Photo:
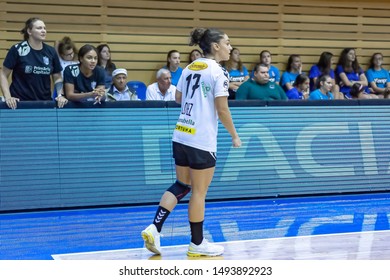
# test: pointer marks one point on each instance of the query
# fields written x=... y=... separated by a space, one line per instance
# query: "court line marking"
x=58 y=256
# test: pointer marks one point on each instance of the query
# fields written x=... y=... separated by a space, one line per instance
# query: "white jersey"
x=200 y=83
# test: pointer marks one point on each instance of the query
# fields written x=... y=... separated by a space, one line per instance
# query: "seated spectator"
x=194 y=55
x=324 y=67
x=300 y=89
x=173 y=65
x=67 y=52
x=357 y=91
x=293 y=69
x=378 y=78
x=260 y=87
x=162 y=89
x=104 y=61
x=85 y=81
x=323 y=91
x=119 y=91
x=274 y=73
x=348 y=72
x=33 y=65
x=238 y=73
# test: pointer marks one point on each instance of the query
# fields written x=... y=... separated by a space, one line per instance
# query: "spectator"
x=274 y=73
x=104 y=61
x=357 y=91
x=348 y=72
x=324 y=67
x=67 y=52
x=293 y=69
x=32 y=64
x=85 y=81
x=300 y=89
x=260 y=87
x=163 y=88
x=194 y=55
x=238 y=73
x=378 y=77
x=119 y=91
x=323 y=91
x=173 y=65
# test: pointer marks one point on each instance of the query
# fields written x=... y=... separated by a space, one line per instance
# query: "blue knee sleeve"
x=179 y=190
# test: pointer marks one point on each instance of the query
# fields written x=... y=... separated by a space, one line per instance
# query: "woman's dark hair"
x=193 y=51
x=204 y=37
x=343 y=60
x=169 y=56
x=85 y=49
x=290 y=61
x=322 y=79
x=66 y=44
x=110 y=65
x=356 y=88
x=372 y=59
x=324 y=64
x=263 y=52
x=300 y=79
x=28 y=25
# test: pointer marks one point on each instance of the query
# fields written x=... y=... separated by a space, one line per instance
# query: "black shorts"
x=192 y=157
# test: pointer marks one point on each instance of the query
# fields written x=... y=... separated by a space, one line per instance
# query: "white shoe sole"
x=149 y=242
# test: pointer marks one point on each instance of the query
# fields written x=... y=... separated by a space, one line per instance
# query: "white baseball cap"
x=119 y=71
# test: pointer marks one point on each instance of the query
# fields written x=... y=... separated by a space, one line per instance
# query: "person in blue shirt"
x=85 y=81
x=348 y=72
x=238 y=73
x=293 y=69
x=173 y=65
x=378 y=78
x=300 y=89
x=323 y=92
x=33 y=64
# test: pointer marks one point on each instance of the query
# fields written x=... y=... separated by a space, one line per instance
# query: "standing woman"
x=202 y=92
x=67 y=52
x=104 y=61
x=32 y=63
x=85 y=81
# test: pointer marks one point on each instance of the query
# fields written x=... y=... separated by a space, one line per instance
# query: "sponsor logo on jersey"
x=185 y=129
x=28 y=69
x=197 y=66
x=23 y=49
x=46 y=60
x=226 y=85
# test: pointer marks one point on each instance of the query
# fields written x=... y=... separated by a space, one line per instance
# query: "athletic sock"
x=196 y=232
x=160 y=217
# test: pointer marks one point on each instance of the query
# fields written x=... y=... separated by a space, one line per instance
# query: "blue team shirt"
x=352 y=76
x=288 y=77
x=315 y=73
x=31 y=71
x=175 y=75
x=294 y=94
x=73 y=75
x=318 y=95
x=236 y=75
x=380 y=78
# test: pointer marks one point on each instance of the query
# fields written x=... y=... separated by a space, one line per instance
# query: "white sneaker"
x=204 y=249
x=152 y=239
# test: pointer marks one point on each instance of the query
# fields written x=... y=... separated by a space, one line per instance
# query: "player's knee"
x=179 y=190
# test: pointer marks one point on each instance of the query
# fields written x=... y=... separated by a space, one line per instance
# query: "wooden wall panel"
x=141 y=32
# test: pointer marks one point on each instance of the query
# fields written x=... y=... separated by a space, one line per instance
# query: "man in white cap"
x=119 y=91
x=162 y=89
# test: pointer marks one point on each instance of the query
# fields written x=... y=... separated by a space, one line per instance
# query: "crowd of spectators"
x=89 y=74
